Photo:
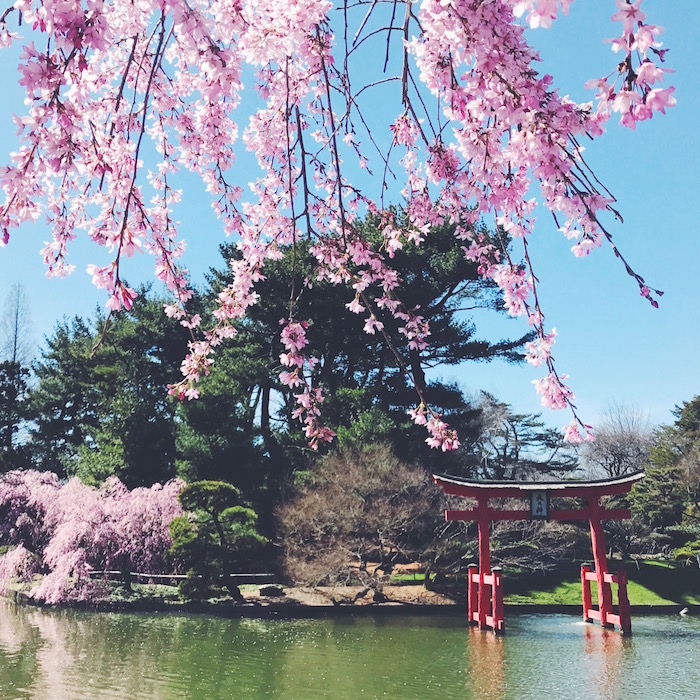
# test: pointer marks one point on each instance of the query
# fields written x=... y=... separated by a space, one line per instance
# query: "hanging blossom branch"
x=477 y=136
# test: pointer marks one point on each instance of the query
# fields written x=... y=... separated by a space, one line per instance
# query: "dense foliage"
x=366 y=384
x=14 y=394
x=100 y=404
x=92 y=414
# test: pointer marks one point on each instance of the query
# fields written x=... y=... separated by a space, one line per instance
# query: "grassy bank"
x=650 y=583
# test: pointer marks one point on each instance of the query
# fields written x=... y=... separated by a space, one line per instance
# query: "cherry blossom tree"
x=66 y=531
x=346 y=106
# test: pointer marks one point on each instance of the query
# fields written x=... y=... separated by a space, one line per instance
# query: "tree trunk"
x=277 y=456
x=126 y=573
x=417 y=370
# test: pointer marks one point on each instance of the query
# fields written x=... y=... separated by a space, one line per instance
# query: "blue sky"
x=614 y=346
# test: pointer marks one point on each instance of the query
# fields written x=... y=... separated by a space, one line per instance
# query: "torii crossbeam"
x=485 y=592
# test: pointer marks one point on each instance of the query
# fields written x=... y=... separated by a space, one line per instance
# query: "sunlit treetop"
x=349 y=108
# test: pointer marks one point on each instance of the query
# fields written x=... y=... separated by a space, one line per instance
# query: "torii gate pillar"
x=484 y=587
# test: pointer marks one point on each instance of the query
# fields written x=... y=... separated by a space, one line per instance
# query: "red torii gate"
x=485 y=591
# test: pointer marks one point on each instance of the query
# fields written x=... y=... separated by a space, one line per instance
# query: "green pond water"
x=65 y=655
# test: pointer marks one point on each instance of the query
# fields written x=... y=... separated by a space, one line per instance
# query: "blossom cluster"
x=66 y=531
x=635 y=91
x=122 y=96
x=440 y=433
x=309 y=398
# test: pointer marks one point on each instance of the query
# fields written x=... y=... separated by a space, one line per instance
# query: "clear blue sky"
x=614 y=346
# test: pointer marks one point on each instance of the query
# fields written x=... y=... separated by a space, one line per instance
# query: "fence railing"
x=138 y=576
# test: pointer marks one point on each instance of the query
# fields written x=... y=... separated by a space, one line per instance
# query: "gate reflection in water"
x=70 y=655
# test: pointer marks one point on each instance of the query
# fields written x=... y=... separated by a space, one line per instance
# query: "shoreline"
x=296 y=604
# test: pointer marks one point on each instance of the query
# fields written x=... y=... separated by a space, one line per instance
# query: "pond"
x=69 y=655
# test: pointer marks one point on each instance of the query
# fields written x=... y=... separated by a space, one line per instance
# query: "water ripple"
x=69 y=655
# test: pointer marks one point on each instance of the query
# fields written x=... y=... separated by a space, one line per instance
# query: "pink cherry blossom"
x=629 y=13
x=554 y=393
x=122 y=97
x=418 y=415
x=539 y=351
x=372 y=325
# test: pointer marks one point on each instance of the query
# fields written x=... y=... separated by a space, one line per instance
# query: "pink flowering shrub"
x=23 y=497
x=65 y=531
x=17 y=563
x=348 y=108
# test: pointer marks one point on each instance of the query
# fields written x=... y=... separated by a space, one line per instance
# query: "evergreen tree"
x=14 y=390
x=101 y=405
x=369 y=386
x=671 y=489
x=16 y=349
x=217 y=538
x=516 y=446
x=65 y=403
x=219 y=436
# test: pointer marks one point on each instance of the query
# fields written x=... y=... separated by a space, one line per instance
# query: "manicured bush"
x=217 y=536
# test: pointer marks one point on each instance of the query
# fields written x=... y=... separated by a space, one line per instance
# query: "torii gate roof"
x=470 y=488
